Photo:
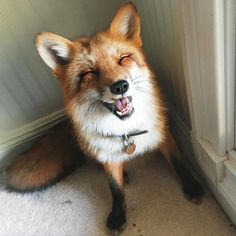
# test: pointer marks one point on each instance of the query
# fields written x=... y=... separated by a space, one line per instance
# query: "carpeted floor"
x=79 y=205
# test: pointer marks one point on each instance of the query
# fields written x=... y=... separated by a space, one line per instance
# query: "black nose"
x=119 y=87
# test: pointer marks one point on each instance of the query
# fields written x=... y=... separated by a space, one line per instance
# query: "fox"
x=115 y=106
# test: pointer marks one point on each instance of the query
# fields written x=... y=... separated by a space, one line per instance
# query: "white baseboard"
x=22 y=138
x=218 y=172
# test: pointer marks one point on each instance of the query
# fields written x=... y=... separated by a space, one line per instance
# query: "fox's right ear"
x=53 y=49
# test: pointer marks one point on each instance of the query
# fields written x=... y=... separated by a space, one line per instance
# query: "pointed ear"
x=53 y=49
x=127 y=23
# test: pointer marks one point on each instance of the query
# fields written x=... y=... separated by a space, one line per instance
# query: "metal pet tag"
x=130 y=149
x=129 y=145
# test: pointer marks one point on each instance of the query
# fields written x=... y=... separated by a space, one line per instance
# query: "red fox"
x=114 y=103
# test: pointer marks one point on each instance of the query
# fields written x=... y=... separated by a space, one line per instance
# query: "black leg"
x=126 y=177
x=193 y=190
x=117 y=216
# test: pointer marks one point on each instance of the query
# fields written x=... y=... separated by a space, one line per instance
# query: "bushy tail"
x=50 y=159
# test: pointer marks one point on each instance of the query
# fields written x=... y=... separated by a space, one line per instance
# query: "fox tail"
x=50 y=159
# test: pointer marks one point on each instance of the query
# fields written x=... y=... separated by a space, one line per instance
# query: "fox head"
x=106 y=72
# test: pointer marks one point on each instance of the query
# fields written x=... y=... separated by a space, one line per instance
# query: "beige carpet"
x=78 y=206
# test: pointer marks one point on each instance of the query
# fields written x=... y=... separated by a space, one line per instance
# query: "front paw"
x=116 y=220
x=193 y=191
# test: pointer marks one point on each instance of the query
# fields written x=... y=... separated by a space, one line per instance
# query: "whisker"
x=137 y=77
x=139 y=87
x=141 y=81
x=93 y=105
x=91 y=96
x=143 y=90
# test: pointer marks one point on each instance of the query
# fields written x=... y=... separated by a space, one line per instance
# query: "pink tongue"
x=121 y=104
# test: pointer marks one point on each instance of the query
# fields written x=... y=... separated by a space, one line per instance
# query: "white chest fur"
x=97 y=125
x=113 y=149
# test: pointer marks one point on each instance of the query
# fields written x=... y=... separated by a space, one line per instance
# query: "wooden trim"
x=230 y=55
x=218 y=172
x=20 y=139
x=205 y=69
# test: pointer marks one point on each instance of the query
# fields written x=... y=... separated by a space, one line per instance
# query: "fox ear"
x=127 y=23
x=53 y=49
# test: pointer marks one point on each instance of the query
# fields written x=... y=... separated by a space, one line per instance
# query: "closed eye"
x=87 y=74
x=124 y=59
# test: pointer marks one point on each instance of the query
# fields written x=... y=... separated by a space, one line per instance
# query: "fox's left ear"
x=127 y=23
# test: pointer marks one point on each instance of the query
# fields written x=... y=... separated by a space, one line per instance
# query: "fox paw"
x=193 y=192
x=116 y=220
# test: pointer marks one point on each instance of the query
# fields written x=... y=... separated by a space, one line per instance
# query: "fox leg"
x=126 y=177
x=192 y=189
x=117 y=217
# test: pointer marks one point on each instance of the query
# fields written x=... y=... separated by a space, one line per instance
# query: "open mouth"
x=122 y=108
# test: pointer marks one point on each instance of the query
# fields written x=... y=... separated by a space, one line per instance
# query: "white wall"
x=162 y=34
x=27 y=89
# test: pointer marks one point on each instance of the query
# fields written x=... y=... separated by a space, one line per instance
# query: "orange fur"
x=117 y=172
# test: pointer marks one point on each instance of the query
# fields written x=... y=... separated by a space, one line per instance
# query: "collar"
x=129 y=145
x=128 y=135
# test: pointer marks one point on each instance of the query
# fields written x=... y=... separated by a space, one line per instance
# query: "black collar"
x=127 y=136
